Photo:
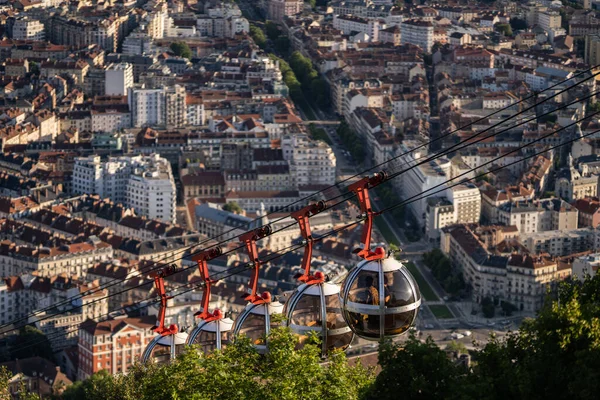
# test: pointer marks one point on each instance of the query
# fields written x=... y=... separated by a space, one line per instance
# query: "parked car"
x=467 y=333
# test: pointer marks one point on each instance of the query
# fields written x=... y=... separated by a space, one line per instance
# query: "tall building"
x=467 y=203
x=113 y=345
x=158 y=107
x=417 y=32
x=118 y=79
x=143 y=182
x=278 y=9
x=311 y=162
x=26 y=28
x=592 y=49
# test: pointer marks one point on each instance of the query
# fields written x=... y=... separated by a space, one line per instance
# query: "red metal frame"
x=361 y=189
x=202 y=260
x=302 y=217
x=249 y=240
x=159 y=283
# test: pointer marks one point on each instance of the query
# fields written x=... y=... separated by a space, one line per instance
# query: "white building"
x=549 y=20
x=143 y=182
x=467 y=203
x=26 y=28
x=350 y=23
x=118 y=79
x=417 y=32
x=311 y=162
x=415 y=181
x=586 y=265
x=158 y=107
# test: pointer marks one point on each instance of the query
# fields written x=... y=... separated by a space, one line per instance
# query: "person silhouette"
x=372 y=292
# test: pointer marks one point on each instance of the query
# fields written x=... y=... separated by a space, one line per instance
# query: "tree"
x=258 y=36
x=233 y=207
x=518 y=24
x=272 y=30
x=504 y=29
x=414 y=370
x=282 y=44
x=31 y=342
x=181 y=49
x=457 y=347
x=238 y=372
x=487 y=307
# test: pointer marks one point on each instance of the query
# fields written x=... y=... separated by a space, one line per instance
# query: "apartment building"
x=311 y=163
x=144 y=183
x=279 y=9
x=350 y=23
x=561 y=243
x=70 y=259
x=113 y=345
x=417 y=32
x=519 y=279
x=118 y=79
x=572 y=185
x=586 y=265
x=589 y=212
x=26 y=28
x=158 y=107
x=539 y=215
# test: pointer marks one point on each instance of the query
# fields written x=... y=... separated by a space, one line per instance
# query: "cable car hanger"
x=202 y=260
x=159 y=283
x=361 y=189
x=249 y=239
x=302 y=217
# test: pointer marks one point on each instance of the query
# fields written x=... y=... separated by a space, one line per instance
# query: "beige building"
x=278 y=9
x=539 y=215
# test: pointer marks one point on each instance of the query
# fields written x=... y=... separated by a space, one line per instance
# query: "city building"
x=417 y=32
x=278 y=9
x=113 y=345
x=586 y=265
x=158 y=107
x=26 y=28
x=118 y=79
x=143 y=182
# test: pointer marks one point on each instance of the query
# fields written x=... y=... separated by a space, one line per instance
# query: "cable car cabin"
x=256 y=322
x=212 y=334
x=316 y=308
x=163 y=349
x=380 y=299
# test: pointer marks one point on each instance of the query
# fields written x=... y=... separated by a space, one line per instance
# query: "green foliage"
x=258 y=36
x=318 y=134
x=351 y=141
x=488 y=308
x=593 y=107
x=504 y=29
x=313 y=85
x=31 y=342
x=313 y=3
x=237 y=372
x=5 y=376
x=414 y=370
x=233 y=207
x=507 y=308
x=181 y=49
x=272 y=30
x=441 y=267
x=458 y=347
x=282 y=44
x=518 y=24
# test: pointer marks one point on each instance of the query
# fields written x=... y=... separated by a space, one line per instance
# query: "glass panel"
x=365 y=288
x=397 y=290
x=341 y=341
x=364 y=324
x=207 y=341
x=334 y=312
x=254 y=328
x=161 y=354
x=396 y=324
x=307 y=311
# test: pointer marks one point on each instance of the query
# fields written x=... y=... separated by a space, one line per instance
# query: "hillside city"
x=134 y=132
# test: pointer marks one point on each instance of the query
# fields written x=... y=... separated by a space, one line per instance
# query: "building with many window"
x=417 y=32
x=144 y=183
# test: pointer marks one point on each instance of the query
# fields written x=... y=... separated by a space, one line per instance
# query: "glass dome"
x=380 y=299
x=309 y=306
x=255 y=322
x=211 y=335
x=163 y=349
